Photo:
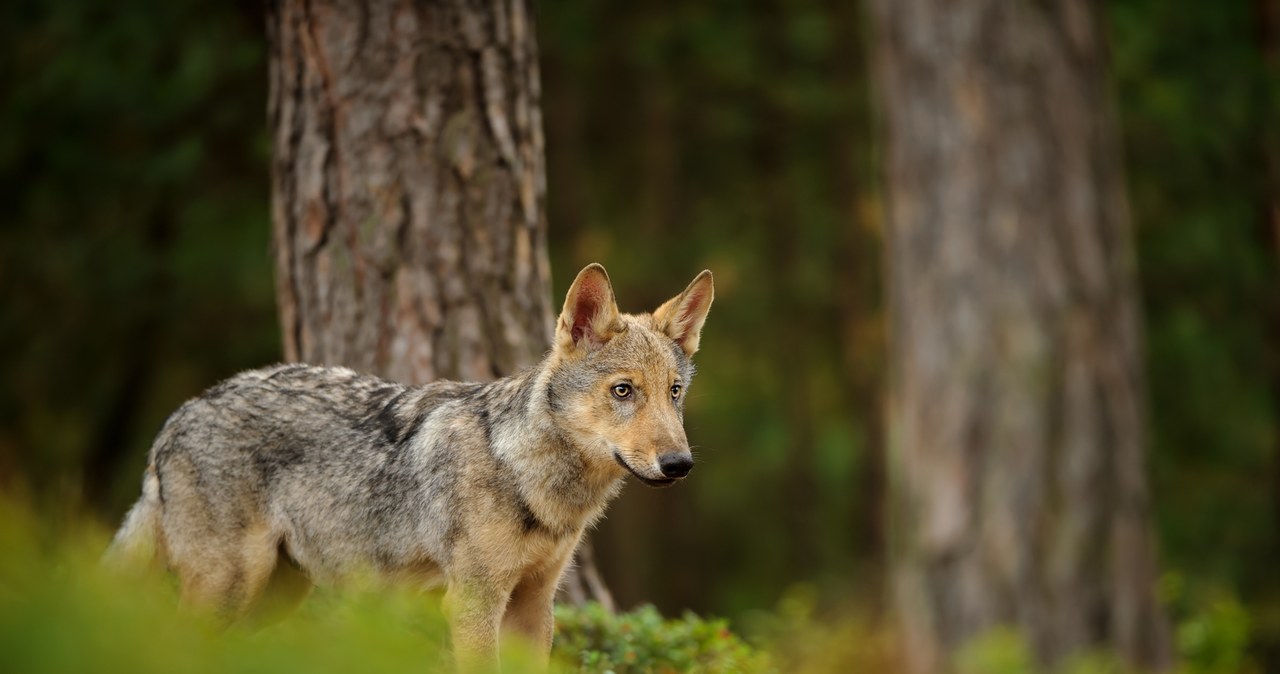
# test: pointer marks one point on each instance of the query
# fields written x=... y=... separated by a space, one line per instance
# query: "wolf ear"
x=590 y=315
x=682 y=316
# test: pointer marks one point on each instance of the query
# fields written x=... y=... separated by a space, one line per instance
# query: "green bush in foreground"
x=60 y=611
x=643 y=642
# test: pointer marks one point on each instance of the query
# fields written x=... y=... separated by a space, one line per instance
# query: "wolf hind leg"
x=285 y=589
x=225 y=574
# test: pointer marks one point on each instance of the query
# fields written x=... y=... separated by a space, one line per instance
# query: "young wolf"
x=484 y=487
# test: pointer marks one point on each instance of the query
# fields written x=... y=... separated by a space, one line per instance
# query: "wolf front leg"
x=530 y=614
x=474 y=606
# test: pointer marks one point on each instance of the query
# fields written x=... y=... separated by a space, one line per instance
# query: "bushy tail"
x=135 y=543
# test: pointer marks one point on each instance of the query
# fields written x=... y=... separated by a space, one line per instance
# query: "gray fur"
x=350 y=470
x=487 y=487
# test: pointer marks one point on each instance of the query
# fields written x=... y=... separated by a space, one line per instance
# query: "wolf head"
x=619 y=381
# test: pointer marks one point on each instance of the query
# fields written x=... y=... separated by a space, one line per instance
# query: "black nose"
x=675 y=464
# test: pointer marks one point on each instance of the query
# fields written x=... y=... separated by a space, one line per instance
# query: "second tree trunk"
x=1017 y=403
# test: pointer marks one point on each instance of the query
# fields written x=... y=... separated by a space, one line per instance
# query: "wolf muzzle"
x=675 y=465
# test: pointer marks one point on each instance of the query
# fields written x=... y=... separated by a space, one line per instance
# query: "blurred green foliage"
x=62 y=611
x=134 y=252
x=1216 y=640
x=736 y=137
x=642 y=641
x=1194 y=104
x=1190 y=86
x=134 y=261
x=804 y=640
x=1210 y=642
x=999 y=651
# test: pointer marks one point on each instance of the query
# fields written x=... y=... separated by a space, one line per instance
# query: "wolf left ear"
x=590 y=315
x=682 y=316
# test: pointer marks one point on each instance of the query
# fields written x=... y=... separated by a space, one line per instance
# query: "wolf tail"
x=135 y=542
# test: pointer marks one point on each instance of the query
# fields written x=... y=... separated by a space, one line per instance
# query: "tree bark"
x=409 y=187
x=1016 y=406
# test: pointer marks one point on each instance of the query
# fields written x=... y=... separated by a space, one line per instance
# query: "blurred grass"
x=61 y=611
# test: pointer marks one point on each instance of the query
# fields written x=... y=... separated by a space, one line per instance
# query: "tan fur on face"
x=649 y=422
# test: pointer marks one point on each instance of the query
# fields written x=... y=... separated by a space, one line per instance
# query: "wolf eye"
x=622 y=391
x=675 y=391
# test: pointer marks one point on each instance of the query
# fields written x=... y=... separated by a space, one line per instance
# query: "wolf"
x=484 y=488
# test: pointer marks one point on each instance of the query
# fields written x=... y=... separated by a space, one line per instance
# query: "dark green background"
x=738 y=136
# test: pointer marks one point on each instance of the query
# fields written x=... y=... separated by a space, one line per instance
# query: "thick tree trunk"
x=408 y=187
x=1016 y=398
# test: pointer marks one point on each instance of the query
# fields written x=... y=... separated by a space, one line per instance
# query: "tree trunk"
x=1016 y=405
x=408 y=187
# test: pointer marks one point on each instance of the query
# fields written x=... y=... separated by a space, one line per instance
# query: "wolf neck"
x=562 y=487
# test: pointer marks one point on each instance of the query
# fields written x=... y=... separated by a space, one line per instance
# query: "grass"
x=61 y=611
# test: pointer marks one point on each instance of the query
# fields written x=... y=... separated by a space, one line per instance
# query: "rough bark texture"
x=1016 y=405
x=408 y=187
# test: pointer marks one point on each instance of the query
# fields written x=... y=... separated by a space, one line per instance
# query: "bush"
x=60 y=611
x=643 y=642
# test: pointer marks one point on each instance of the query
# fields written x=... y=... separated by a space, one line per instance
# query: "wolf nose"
x=675 y=464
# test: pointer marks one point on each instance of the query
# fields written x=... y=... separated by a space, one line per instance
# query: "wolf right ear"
x=682 y=316
x=590 y=315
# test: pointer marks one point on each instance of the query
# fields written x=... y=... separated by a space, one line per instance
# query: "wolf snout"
x=675 y=465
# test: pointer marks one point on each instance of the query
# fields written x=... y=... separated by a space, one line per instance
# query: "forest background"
x=742 y=137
